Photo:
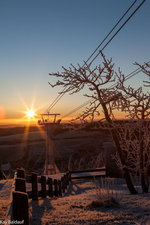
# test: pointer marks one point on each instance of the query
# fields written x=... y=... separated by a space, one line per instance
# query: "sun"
x=30 y=113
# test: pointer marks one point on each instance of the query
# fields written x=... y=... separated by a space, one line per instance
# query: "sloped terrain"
x=73 y=149
x=72 y=207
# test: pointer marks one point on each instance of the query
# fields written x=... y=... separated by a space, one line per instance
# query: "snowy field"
x=72 y=208
x=5 y=190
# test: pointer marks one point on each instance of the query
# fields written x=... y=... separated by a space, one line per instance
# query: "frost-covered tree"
x=136 y=135
x=146 y=70
x=97 y=79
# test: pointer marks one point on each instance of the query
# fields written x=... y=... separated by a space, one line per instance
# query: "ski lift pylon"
x=45 y=118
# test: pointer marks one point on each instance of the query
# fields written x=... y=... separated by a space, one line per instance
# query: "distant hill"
x=16 y=130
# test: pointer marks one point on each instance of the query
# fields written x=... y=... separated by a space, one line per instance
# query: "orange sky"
x=33 y=121
x=35 y=43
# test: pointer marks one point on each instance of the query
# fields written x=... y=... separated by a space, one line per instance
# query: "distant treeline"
x=95 y=125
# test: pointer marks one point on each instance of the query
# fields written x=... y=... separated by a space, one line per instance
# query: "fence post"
x=65 y=181
x=20 y=211
x=20 y=185
x=43 y=186
x=50 y=187
x=63 y=185
x=55 y=188
x=20 y=173
x=67 y=178
x=69 y=174
x=59 y=188
x=34 y=186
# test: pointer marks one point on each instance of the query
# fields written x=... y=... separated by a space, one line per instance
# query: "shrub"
x=105 y=194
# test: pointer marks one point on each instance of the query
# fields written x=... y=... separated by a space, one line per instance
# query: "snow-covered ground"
x=5 y=191
x=71 y=208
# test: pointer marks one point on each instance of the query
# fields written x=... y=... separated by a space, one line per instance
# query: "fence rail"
x=40 y=186
x=89 y=173
x=19 y=209
x=49 y=186
x=89 y=170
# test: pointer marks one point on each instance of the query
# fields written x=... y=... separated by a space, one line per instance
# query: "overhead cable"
x=118 y=31
x=111 y=31
x=61 y=95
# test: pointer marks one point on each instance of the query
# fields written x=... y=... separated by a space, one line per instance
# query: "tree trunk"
x=144 y=183
x=129 y=183
x=127 y=175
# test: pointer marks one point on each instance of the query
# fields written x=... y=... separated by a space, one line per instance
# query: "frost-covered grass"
x=5 y=190
x=3 y=208
x=106 y=195
x=106 y=189
x=72 y=207
x=81 y=205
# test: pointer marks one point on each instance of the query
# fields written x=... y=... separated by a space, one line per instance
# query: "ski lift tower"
x=50 y=166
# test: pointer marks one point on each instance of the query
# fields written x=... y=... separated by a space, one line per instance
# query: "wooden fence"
x=49 y=187
x=19 y=209
x=33 y=187
x=88 y=173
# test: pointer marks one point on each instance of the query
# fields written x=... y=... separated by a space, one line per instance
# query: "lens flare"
x=30 y=113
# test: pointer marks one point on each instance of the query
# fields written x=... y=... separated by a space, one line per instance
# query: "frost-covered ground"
x=5 y=190
x=71 y=209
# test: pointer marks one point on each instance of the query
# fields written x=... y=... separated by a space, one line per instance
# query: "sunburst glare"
x=30 y=113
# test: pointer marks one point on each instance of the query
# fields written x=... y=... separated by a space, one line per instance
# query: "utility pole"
x=50 y=166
